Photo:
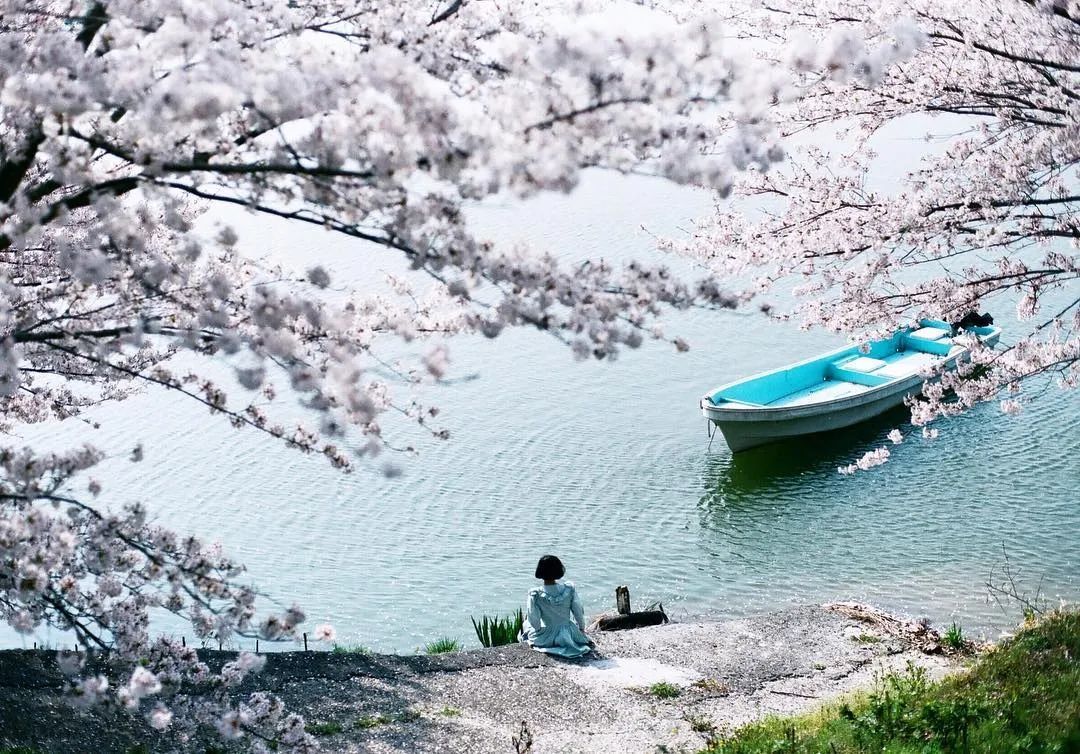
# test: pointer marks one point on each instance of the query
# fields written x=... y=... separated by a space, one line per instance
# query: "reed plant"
x=351 y=649
x=954 y=638
x=442 y=646
x=664 y=690
x=495 y=631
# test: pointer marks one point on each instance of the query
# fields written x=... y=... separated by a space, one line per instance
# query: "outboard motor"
x=972 y=319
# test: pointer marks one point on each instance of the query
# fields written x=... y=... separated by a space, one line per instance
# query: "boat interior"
x=847 y=372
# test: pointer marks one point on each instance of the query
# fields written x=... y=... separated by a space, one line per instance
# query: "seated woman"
x=554 y=621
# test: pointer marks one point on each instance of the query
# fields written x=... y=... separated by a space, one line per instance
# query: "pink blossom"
x=231 y=725
x=869 y=460
x=159 y=718
x=1011 y=407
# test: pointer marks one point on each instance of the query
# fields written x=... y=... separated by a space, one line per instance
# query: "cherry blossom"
x=987 y=217
x=125 y=121
x=869 y=460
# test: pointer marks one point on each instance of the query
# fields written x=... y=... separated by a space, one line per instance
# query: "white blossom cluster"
x=992 y=215
x=121 y=121
x=100 y=575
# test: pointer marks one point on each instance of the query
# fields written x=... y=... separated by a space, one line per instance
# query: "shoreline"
x=719 y=675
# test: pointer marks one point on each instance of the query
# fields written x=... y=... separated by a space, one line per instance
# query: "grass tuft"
x=664 y=690
x=701 y=724
x=450 y=712
x=711 y=686
x=323 y=729
x=495 y=631
x=866 y=639
x=1023 y=696
x=351 y=649
x=954 y=638
x=372 y=721
x=442 y=646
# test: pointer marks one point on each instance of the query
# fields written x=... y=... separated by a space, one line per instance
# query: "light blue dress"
x=555 y=622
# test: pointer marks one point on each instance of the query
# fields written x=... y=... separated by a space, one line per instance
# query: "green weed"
x=495 y=631
x=372 y=721
x=700 y=724
x=954 y=638
x=323 y=729
x=442 y=646
x=664 y=690
x=711 y=686
x=351 y=649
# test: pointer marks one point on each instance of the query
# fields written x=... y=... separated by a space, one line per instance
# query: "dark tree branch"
x=14 y=170
x=449 y=11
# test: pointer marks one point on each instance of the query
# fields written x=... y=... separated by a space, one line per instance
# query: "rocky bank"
x=726 y=673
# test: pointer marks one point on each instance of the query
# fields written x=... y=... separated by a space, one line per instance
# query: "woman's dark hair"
x=549 y=568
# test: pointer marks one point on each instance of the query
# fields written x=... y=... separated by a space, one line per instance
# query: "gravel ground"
x=727 y=673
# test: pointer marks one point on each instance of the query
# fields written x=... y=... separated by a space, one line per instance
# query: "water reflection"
x=732 y=478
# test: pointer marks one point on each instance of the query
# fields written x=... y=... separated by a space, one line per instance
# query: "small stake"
x=305 y=642
x=256 y=646
x=183 y=642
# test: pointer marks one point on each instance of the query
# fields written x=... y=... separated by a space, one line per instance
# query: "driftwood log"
x=916 y=633
x=632 y=620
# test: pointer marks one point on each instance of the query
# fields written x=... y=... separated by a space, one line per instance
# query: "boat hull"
x=742 y=433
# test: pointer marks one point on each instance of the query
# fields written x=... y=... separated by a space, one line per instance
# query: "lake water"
x=608 y=466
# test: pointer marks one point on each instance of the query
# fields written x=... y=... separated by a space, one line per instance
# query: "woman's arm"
x=532 y=616
x=577 y=610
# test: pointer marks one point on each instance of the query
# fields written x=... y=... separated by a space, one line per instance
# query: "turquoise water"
x=608 y=466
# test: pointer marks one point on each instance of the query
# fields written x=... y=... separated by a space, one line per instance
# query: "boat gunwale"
x=751 y=411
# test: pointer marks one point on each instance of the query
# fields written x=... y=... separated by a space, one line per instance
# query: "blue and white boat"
x=838 y=389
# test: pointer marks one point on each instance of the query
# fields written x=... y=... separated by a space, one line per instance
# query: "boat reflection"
x=786 y=465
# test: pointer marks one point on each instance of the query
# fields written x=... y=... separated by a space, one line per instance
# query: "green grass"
x=711 y=686
x=700 y=724
x=954 y=638
x=351 y=649
x=323 y=729
x=450 y=712
x=664 y=690
x=866 y=639
x=372 y=721
x=442 y=646
x=1020 y=698
x=495 y=631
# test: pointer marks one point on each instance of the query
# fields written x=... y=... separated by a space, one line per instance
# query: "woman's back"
x=555 y=621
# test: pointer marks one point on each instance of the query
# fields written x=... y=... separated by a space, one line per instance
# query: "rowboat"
x=837 y=389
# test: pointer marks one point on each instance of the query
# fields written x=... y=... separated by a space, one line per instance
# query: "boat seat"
x=863 y=364
x=928 y=333
x=826 y=390
x=906 y=364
